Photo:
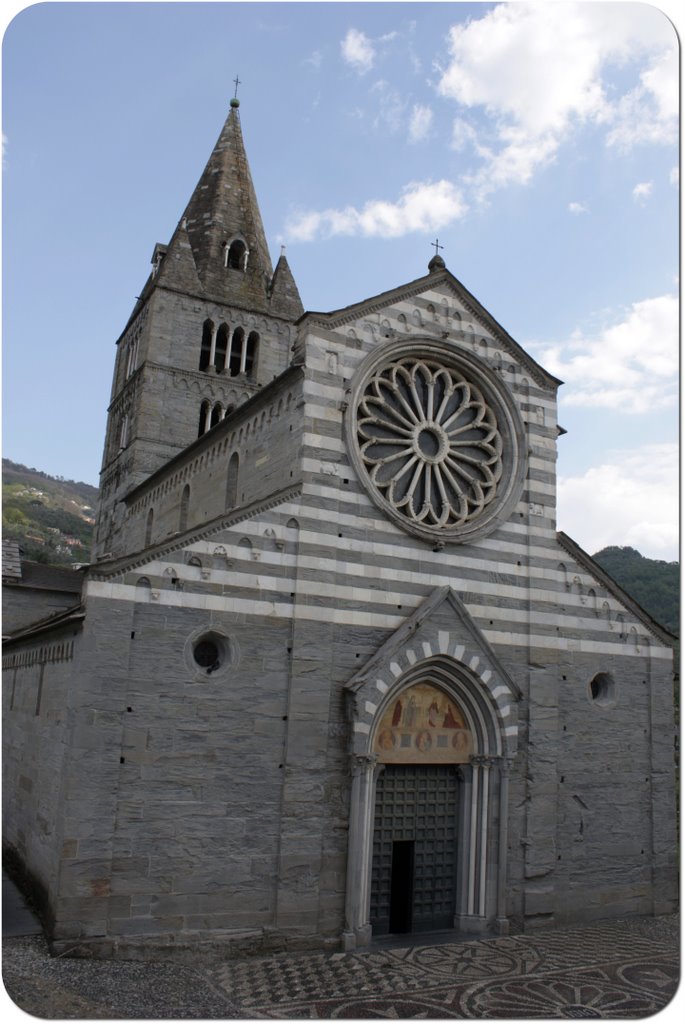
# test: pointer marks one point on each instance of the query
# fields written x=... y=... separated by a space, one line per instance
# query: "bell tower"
x=211 y=326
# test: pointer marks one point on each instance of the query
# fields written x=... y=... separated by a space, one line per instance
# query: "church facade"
x=334 y=673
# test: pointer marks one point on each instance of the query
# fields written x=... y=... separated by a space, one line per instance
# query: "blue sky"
x=537 y=141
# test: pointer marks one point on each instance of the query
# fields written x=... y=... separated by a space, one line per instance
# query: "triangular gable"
x=441 y=627
x=431 y=282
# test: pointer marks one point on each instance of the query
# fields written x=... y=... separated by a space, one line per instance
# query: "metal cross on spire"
x=236 y=82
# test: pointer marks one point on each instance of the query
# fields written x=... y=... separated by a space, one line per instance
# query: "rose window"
x=429 y=442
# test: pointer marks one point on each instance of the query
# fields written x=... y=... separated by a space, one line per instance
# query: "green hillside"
x=652 y=583
x=52 y=519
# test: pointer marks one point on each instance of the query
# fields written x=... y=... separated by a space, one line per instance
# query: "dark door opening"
x=402 y=886
x=414 y=867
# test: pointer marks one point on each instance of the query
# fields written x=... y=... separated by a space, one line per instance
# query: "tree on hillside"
x=653 y=583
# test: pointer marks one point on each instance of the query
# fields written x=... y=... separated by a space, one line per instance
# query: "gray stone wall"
x=36 y=736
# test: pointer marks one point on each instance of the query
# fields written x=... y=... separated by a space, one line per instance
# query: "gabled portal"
x=434 y=716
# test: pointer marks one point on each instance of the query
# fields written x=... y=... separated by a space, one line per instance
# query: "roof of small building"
x=20 y=572
x=11 y=561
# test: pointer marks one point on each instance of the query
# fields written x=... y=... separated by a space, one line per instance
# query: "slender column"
x=484 y=821
x=464 y=860
x=243 y=353
x=478 y=845
x=212 y=347
x=473 y=840
x=359 y=851
x=208 y=416
x=502 y=919
x=477 y=897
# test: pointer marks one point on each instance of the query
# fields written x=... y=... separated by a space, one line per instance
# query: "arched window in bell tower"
x=221 y=347
x=206 y=349
x=251 y=353
x=235 y=255
x=235 y=358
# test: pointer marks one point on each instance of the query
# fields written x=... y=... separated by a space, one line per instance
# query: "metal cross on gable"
x=437 y=245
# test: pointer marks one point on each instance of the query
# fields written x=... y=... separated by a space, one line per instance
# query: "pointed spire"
x=223 y=210
x=285 y=298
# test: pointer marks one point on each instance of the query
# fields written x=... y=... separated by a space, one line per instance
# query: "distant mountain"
x=52 y=519
x=652 y=583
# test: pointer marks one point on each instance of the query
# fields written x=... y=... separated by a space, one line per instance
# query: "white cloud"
x=391 y=107
x=423 y=206
x=516 y=62
x=649 y=112
x=420 y=122
x=630 y=499
x=526 y=76
x=630 y=366
x=536 y=71
x=358 y=51
x=314 y=60
x=577 y=208
x=642 y=191
x=463 y=134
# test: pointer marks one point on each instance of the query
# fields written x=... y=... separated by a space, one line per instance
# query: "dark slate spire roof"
x=285 y=298
x=223 y=208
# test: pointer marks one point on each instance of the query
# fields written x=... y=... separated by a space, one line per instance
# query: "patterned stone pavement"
x=608 y=970
x=624 y=969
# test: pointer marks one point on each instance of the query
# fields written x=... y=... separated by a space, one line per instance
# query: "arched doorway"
x=428 y=822
x=424 y=737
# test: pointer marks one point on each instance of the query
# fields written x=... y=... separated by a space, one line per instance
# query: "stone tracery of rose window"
x=429 y=442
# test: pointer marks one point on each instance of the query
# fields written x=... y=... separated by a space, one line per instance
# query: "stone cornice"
x=152 y=286
x=116 y=567
x=60 y=620
x=202 y=376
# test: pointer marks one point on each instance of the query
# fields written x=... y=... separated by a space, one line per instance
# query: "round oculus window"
x=210 y=653
x=207 y=655
x=436 y=440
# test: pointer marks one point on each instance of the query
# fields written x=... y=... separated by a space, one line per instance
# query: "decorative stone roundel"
x=436 y=440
